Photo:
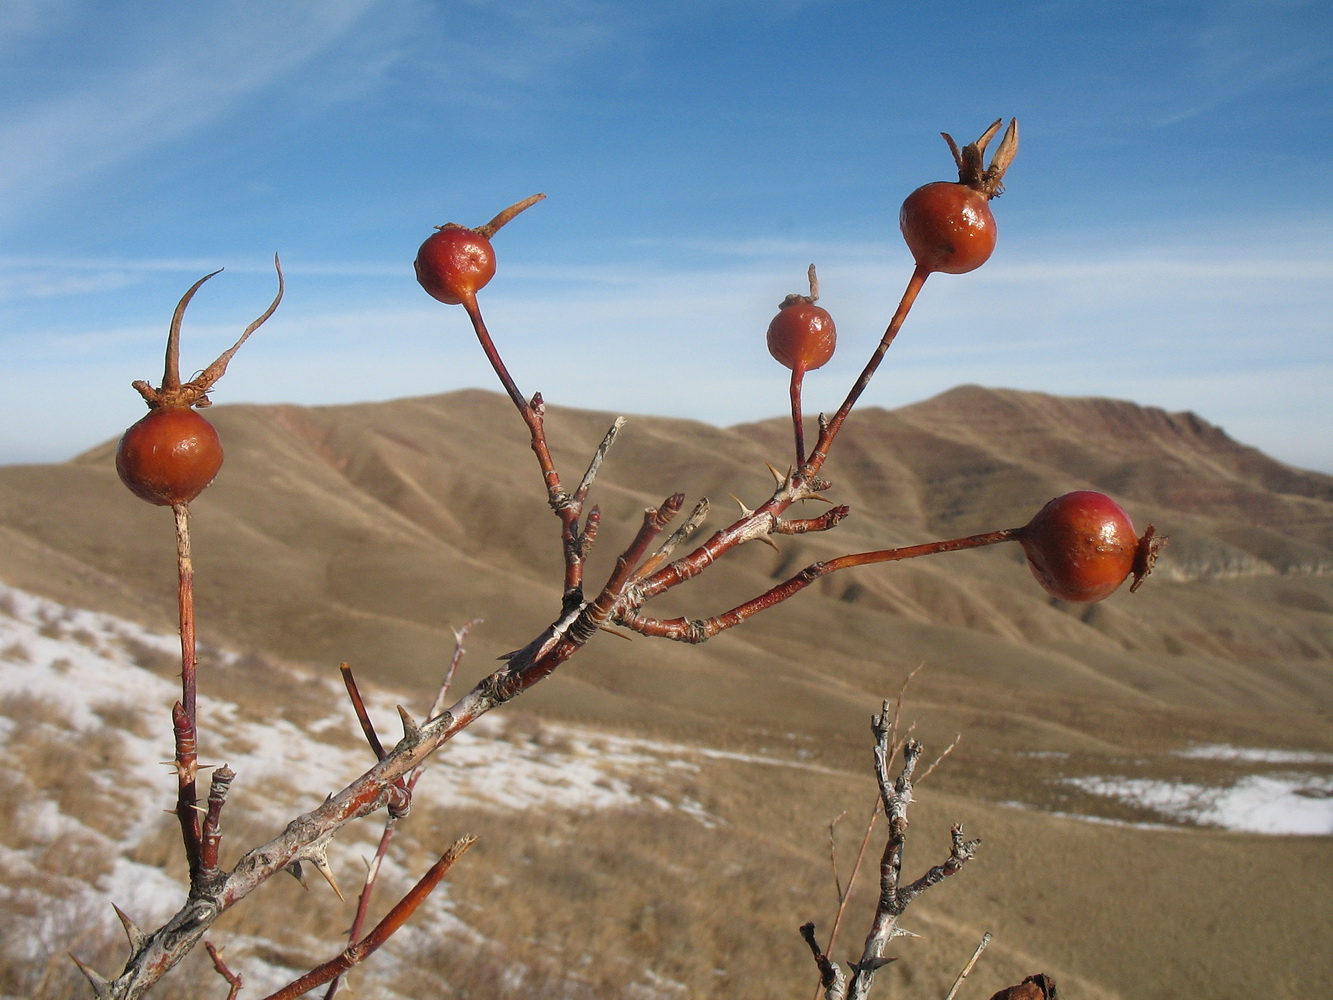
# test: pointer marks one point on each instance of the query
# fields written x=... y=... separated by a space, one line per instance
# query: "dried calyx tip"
x=970 y=159
x=1145 y=556
x=508 y=214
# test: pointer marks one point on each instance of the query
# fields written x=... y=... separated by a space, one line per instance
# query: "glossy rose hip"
x=948 y=227
x=802 y=335
x=1081 y=546
x=454 y=264
x=169 y=456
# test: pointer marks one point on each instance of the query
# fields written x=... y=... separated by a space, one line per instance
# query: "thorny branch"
x=359 y=951
x=636 y=578
x=407 y=788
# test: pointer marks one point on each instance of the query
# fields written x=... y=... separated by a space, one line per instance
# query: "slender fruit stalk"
x=802 y=337
x=187 y=732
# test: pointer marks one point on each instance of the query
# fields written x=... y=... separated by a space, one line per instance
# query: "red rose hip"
x=1081 y=547
x=169 y=456
x=455 y=262
x=948 y=225
x=802 y=336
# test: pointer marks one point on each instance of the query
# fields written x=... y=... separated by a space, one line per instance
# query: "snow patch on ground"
x=1290 y=804
x=72 y=675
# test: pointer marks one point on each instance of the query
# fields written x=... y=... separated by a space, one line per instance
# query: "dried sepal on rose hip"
x=948 y=225
x=456 y=262
x=173 y=453
x=802 y=337
x=1081 y=547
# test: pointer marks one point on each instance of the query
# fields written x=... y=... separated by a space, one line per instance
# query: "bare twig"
x=799 y=526
x=829 y=429
x=585 y=484
x=833 y=852
x=940 y=759
x=894 y=896
x=832 y=980
x=184 y=722
x=234 y=981
x=702 y=629
x=212 y=831
x=967 y=969
x=359 y=707
x=875 y=810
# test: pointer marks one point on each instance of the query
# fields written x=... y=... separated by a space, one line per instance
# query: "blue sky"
x=1165 y=236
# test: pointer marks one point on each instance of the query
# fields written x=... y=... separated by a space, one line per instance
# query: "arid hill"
x=367 y=533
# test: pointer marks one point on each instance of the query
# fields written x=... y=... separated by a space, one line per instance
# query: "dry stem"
x=184 y=722
x=894 y=897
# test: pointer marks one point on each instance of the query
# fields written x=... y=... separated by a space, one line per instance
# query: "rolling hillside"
x=367 y=533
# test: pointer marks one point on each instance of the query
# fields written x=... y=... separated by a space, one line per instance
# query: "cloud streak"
x=158 y=85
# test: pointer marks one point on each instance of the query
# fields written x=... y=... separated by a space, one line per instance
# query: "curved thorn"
x=321 y=863
x=411 y=731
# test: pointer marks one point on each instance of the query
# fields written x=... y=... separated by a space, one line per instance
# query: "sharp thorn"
x=297 y=872
x=136 y=937
x=321 y=864
x=778 y=477
x=101 y=985
x=745 y=511
x=616 y=632
x=411 y=731
x=770 y=543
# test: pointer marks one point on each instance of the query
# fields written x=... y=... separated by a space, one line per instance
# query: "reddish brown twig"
x=359 y=707
x=702 y=629
x=186 y=764
x=829 y=430
x=831 y=518
x=234 y=981
x=212 y=832
x=356 y=953
x=568 y=507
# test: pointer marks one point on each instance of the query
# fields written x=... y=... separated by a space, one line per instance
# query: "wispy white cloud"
x=164 y=71
x=1243 y=46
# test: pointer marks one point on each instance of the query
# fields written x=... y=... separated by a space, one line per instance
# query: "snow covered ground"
x=69 y=675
